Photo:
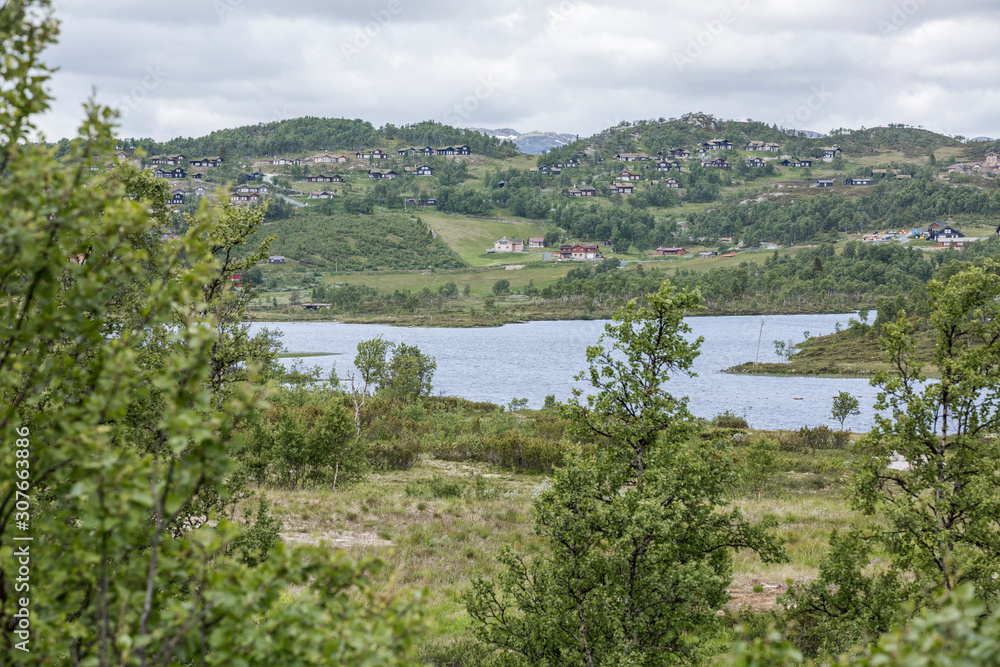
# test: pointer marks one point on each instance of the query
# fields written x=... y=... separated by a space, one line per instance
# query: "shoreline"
x=464 y=320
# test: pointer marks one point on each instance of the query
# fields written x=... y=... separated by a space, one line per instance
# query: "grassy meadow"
x=441 y=522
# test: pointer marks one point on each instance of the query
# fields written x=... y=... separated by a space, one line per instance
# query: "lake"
x=537 y=359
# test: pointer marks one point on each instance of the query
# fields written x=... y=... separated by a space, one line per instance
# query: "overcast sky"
x=187 y=67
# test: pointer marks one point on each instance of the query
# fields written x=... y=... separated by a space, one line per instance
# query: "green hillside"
x=376 y=242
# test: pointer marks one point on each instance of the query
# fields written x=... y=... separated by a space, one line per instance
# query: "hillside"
x=696 y=128
x=730 y=188
x=910 y=141
x=318 y=134
x=376 y=242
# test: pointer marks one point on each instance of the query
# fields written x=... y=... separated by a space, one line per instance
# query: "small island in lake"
x=853 y=352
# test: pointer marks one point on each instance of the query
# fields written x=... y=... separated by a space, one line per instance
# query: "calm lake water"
x=536 y=359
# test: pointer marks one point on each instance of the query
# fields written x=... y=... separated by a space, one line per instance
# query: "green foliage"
x=380 y=241
x=939 y=516
x=957 y=632
x=513 y=449
x=758 y=466
x=394 y=455
x=408 y=374
x=273 y=138
x=125 y=375
x=371 y=361
x=637 y=557
x=501 y=286
x=729 y=419
x=404 y=375
x=436 y=487
x=889 y=204
x=254 y=545
x=844 y=406
x=853 y=600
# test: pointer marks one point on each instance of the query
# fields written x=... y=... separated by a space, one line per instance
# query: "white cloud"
x=564 y=65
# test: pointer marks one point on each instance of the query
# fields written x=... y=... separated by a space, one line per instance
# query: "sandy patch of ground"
x=743 y=596
x=459 y=468
x=337 y=540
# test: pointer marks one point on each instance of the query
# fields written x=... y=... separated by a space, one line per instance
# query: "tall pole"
x=759 y=335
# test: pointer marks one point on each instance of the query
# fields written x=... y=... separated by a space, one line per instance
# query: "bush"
x=847 y=604
x=510 y=449
x=394 y=455
x=513 y=449
x=734 y=435
x=729 y=420
x=807 y=439
x=482 y=488
x=758 y=466
x=550 y=426
x=436 y=487
x=819 y=437
x=291 y=446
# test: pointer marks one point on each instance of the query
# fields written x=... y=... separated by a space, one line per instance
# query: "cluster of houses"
x=943 y=236
x=681 y=252
x=324 y=178
x=176 y=172
x=374 y=174
x=444 y=150
x=369 y=154
x=171 y=166
x=175 y=160
x=990 y=164
x=571 y=251
x=246 y=193
x=177 y=195
x=829 y=152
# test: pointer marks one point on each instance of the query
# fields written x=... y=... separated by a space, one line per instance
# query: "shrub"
x=807 y=439
x=436 y=487
x=729 y=420
x=550 y=425
x=394 y=455
x=482 y=488
x=513 y=449
x=289 y=446
x=819 y=437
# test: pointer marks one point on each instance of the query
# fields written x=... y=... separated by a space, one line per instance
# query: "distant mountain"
x=530 y=142
x=981 y=139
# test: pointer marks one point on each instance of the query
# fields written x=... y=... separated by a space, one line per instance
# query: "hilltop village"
x=379 y=224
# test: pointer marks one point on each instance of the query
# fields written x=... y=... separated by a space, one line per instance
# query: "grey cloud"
x=566 y=65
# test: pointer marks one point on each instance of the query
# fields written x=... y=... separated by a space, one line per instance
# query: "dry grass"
x=440 y=543
x=432 y=531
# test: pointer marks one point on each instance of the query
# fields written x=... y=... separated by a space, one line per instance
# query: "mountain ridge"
x=534 y=142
